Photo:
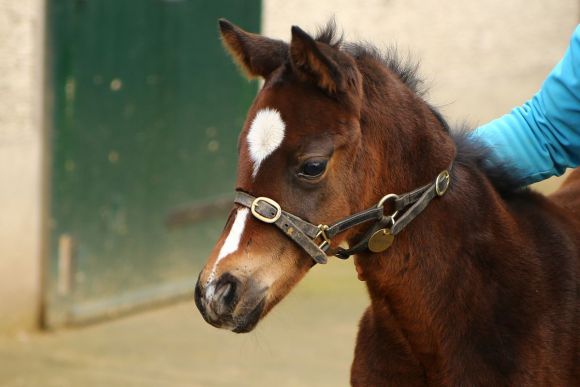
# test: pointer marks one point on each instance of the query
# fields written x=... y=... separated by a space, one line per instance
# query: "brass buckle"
x=442 y=183
x=270 y=202
x=322 y=233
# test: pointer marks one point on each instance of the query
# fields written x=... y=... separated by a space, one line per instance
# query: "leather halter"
x=316 y=240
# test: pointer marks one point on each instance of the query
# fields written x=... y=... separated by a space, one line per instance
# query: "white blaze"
x=232 y=242
x=265 y=136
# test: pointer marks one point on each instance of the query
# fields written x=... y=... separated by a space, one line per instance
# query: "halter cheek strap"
x=316 y=240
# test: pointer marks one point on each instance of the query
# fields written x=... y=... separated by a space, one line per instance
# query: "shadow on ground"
x=308 y=340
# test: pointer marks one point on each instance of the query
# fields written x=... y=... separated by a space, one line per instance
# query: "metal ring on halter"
x=392 y=219
x=387 y=197
x=382 y=203
x=442 y=183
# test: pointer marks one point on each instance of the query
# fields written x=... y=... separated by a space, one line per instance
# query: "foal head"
x=302 y=146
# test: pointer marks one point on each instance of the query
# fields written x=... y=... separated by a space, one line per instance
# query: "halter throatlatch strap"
x=316 y=240
x=394 y=224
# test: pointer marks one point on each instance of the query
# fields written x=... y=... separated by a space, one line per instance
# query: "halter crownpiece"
x=316 y=240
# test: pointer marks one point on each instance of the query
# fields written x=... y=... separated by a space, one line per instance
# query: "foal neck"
x=403 y=136
x=412 y=279
x=426 y=280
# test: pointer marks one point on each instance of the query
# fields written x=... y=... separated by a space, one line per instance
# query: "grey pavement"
x=308 y=340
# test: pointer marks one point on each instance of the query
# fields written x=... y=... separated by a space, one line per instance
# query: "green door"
x=144 y=111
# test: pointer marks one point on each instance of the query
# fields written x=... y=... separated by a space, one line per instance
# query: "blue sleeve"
x=541 y=138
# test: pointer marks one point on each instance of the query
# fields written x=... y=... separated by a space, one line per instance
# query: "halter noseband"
x=316 y=240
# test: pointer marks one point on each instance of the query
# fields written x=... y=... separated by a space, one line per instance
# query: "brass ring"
x=443 y=178
x=387 y=197
x=382 y=202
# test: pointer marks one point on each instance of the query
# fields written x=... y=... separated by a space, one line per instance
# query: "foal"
x=480 y=284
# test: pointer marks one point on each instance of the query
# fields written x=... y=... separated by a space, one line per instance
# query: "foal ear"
x=256 y=54
x=316 y=61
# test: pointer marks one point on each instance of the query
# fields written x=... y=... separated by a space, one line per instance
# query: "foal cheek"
x=287 y=275
x=359 y=269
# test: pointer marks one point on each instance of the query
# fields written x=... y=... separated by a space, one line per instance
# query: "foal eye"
x=312 y=168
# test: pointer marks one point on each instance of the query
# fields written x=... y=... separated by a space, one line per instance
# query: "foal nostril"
x=225 y=296
x=225 y=293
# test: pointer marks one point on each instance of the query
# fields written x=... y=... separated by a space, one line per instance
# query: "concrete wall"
x=480 y=58
x=21 y=139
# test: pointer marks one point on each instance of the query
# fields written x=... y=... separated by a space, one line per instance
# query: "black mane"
x=471 y=153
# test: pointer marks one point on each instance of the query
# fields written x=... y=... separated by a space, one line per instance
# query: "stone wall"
x=21 y=142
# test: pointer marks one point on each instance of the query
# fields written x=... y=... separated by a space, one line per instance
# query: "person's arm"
x=541 y=138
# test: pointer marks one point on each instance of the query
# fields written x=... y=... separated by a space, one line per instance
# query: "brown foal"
x=480 y=289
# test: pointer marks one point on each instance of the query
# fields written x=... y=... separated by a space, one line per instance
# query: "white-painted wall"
x=21 y=139
x=479 y=58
